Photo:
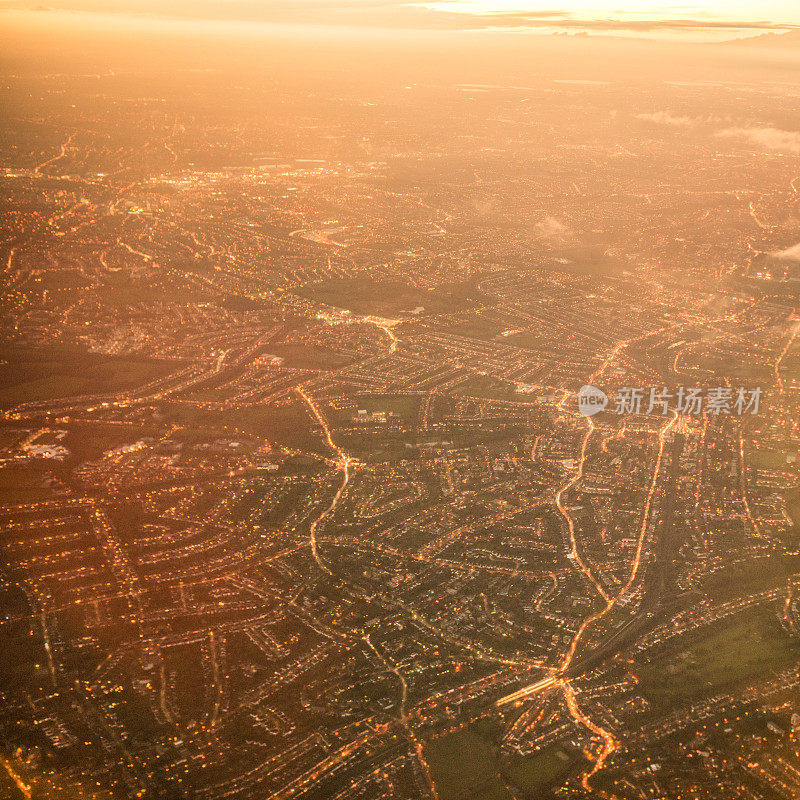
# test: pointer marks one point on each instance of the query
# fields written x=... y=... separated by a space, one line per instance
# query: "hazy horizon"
x=711 y=20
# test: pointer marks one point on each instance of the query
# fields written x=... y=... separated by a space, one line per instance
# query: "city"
x=297 y=499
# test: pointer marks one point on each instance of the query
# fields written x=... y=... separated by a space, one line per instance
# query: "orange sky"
x=698 y=19
x=782 y=11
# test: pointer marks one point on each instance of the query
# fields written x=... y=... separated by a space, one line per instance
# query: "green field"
x=24 y=484
x=590 y=259
x=483 y=386
x=389 y=297
x=302 y=356
x=792 y=500
x=287 y=425
x=767 y=459
x=476 y=327
x=533 y=773
x=466 y=765
x=735 y=654
x=47 y=373
x=403 y=406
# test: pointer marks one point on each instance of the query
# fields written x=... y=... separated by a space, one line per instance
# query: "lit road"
x=343 y=463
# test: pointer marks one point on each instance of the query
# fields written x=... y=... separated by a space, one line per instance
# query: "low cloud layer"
x=551 y=228
x=769 y=138
x=765 y=137
x=790 y=254
x=665 y=118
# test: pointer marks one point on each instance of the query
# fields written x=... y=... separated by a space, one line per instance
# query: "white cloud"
x=551 y=228
x=665 y=118
x=790 y=254
x=769 y=138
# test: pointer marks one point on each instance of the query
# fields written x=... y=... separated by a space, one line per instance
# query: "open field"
x=736 y=653
x=42 y=374
x=392 y=297
x=467 y=765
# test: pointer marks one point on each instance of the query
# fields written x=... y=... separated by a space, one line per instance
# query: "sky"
x=782 y=11
x=704 y=19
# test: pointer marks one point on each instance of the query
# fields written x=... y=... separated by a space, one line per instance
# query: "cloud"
x=665 y=118
x=768 y=138
x=408 y=14
x=762 y=136
x=790 y=254
x=551 y=228
x=562 y=19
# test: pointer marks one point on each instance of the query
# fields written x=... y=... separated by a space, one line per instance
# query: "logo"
x=591 y=401
x=686 y=401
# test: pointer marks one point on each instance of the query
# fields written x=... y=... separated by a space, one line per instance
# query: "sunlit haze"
x=399 y=400
x=712 y=20
x=786 y=11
